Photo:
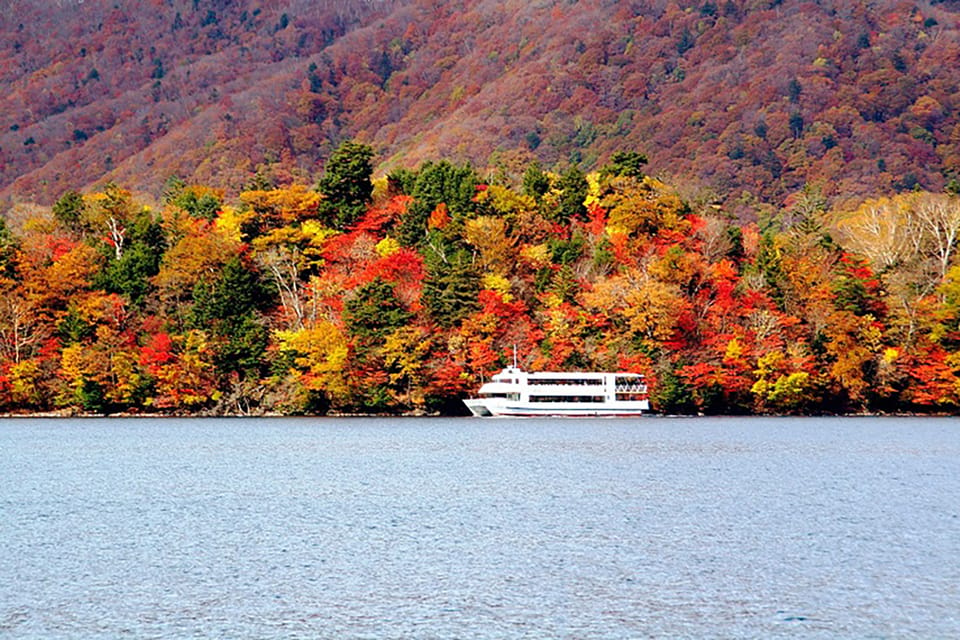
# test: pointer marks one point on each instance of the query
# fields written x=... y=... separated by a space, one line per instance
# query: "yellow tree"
x=853 y=346
x=643 y=207
x=405 y=354
x=290 y=254
x=182 y=372
x=277 y=208
x=319 y=354
x=21 y=329
x=110 y=212
x=910 y=241
x=644 y=305
x=197 y=256
x=783 y=385
x=98 y=366
x=497 y=250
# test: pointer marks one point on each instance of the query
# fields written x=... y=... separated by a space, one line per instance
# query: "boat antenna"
x=515 y=356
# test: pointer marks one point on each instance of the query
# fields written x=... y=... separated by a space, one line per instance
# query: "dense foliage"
x=745 y=101
x=291 y=299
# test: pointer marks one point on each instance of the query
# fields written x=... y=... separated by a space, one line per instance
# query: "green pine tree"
x=346 y=184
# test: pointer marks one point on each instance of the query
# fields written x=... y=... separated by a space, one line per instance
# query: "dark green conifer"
x=346 y=184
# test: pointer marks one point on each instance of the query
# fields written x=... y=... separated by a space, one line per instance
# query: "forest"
x=402 y=293
x=747 y=100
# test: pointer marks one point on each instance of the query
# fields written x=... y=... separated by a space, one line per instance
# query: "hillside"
x=743 y=101
x=404 y=295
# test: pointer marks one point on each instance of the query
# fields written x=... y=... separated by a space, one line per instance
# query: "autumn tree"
x=195 y=259
x=20 y=327
x=910 y=241
x=316 y=357
x=110 y=213
x=489 y=235
x=406 y=354
x=270 y=209
x=291 y=256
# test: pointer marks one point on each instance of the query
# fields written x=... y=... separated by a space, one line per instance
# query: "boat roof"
x=566 y=374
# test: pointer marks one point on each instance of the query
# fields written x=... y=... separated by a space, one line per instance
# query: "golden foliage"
x=320 y=354
x=506 y=201
x=497 y=250
x=647 y=305
x=194 y=258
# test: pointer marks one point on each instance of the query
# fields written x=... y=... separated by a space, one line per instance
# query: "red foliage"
x=50 y=349
x=58 y=246
x=448 y=378
x=157 y=352
x=439 y=217
x=492 y=302
x=5 y=383
x=935 y=382
x=597 y=220
x=336 y=248
x=401 y=267
x=378 y=217
x=404 y=268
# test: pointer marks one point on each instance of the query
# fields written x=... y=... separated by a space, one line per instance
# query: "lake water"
x=470 y=528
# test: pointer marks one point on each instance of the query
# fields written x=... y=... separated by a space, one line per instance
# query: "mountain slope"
x=746 y=99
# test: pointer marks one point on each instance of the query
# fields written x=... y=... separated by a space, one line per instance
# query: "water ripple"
x=467 y=528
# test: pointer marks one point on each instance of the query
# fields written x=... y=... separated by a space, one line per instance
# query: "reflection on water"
x=382 y=528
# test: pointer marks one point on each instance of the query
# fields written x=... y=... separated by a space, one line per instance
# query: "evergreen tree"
x=9 y=246
x=130 y=274
x=375 y=312
x=205 y=205
x=68 y=210
x=346 y=184
x=573 y=186
x=770 y=265
x=535 y=181
x=401 y=181
x=673 y=395
x=625 y=163
x=436 y=183
x=172 y=188
x=229 y=308
x=451 y=287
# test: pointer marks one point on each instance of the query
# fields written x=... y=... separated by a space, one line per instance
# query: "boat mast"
x=514 y=356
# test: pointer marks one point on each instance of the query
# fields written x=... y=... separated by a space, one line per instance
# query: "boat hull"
x=492 y=407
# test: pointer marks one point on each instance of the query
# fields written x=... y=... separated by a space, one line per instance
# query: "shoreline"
x=53 y=415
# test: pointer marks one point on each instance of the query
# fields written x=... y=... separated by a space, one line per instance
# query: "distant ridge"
x=742 y=102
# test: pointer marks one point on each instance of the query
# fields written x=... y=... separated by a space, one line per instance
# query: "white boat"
x=514 y=392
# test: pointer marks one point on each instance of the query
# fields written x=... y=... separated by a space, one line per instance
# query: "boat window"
x=630 y=384
x=580 y=382
x=567 y=399
x=630 y=397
